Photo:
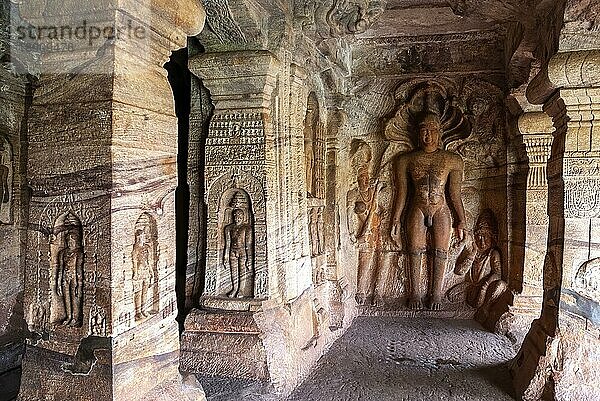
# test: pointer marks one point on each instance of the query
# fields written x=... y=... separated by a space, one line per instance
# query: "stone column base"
x=223 y=343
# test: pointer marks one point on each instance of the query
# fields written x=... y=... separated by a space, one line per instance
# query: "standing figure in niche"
x=238 y=256
x=364 y=232
x=484 y=281
x=4 y=190
x=431 y=172
x=69 y=278
x=142 y=270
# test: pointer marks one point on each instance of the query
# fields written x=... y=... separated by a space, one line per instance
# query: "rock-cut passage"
x=386 y=358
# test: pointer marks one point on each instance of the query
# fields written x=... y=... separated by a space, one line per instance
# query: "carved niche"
x=66 y=271
x=6 y=181
x=144 y=257
x=237 y=238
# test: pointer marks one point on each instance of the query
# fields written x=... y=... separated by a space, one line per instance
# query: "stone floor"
x=391 y=358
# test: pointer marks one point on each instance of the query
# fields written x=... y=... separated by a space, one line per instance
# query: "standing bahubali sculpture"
x=66 y=279
x=238 y=253
x=430 y=173
x=364 y=220
x=482 y=262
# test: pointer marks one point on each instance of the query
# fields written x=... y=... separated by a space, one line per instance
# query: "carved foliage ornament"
x=353 y=16
x=219 y=19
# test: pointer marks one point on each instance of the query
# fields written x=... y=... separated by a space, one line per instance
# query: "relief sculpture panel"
x=481 y=262
x=430 y=172
x=145 y=267
x=236 y=265
x=66 y=278
x=417 y=184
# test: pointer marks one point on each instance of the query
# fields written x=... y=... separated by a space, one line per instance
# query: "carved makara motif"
x=66 y=266
x=6 y=181
x=587 y=279
x=144 y=258
x=353 y=16
x=481 y=261
x=238 y=250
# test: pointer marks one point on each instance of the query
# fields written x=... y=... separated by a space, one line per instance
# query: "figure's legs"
x=367 y=275
x=68 y=297
x=77 y=303
x=371 y=277
x=246 y=286
x=144 y=297
x=441 y=229
x=494 y=291
x=137 y=299
x=417 y=243
x=234 y=261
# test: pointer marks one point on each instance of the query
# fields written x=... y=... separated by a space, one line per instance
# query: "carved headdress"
x=422 y=102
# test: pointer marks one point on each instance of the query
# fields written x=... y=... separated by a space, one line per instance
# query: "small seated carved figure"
x=238 y=256
x=483 y=263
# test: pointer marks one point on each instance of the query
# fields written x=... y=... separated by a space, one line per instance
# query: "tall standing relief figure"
x=238 y=256
x=364 y=221
x=145 y=272
x=66 y=280
x=431 y=172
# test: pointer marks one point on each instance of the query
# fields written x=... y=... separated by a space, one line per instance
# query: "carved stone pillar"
x=569 y=292
x=536 y=128
x=100 y=280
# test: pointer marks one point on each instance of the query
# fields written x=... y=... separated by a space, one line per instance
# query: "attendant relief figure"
x=481 y=261
x=364 y=220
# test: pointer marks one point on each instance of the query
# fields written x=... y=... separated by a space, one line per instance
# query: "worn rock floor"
x=390 y=358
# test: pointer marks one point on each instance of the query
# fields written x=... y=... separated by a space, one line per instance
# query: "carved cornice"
x=577 y=69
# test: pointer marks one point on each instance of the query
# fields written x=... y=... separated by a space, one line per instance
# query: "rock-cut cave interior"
x=300 y=200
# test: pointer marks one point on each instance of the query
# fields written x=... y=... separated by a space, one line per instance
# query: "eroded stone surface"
x=412 y=359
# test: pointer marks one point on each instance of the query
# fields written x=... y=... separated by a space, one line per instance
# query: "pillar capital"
x=238 y=80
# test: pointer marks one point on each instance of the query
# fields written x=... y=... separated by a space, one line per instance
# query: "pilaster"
x=536 y=129
x=100 y=295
